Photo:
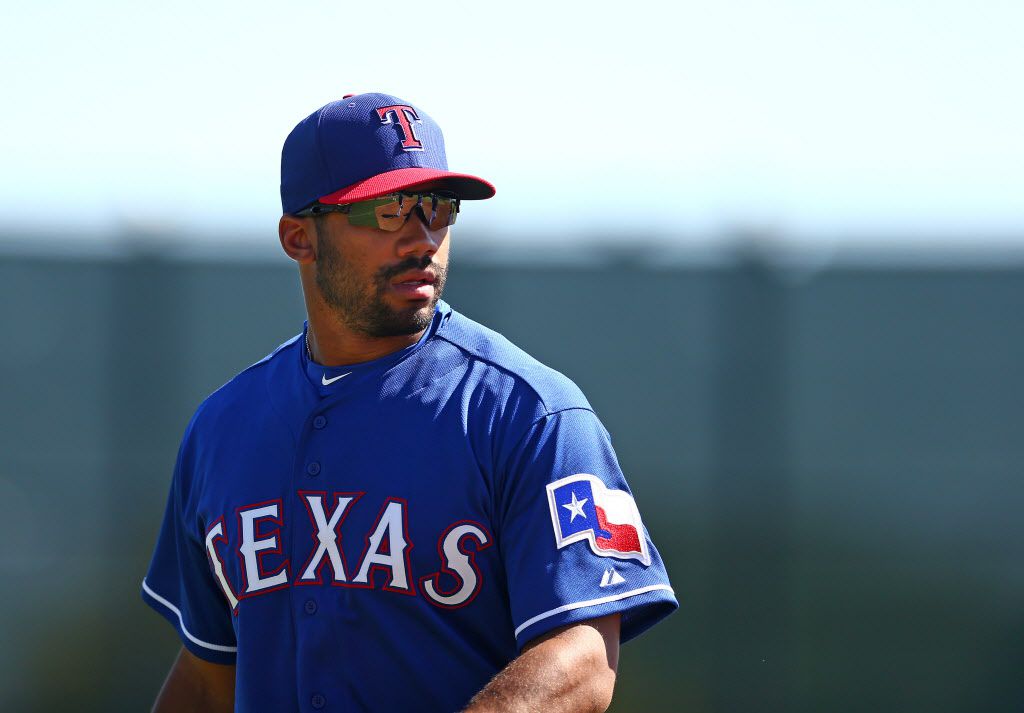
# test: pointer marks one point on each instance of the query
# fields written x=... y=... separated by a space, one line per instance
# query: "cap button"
x=347 y=96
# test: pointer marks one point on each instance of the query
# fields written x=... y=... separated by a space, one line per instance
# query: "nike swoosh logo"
x=327 y=382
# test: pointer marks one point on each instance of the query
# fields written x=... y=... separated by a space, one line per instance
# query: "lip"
x=415 y=275
x=409 y=284
x=417 y=290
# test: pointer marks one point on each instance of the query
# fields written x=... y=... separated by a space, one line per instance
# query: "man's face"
x=358 y=271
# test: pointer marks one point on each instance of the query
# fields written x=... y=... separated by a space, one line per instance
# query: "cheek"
x=441 y=256
x=354 y=263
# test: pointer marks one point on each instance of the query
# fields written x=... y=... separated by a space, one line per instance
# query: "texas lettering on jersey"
x=258 y=532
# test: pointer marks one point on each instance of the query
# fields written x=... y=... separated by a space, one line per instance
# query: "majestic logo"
x=582 y=508
x=611 y=578
x=404 y=115
x=327 y=382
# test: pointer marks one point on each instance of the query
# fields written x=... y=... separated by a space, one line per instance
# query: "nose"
x=416 y=237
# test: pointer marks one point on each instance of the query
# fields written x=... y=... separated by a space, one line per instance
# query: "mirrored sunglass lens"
x=443 y=213
x=377 y=213
x=391 y=212
x=404 y=203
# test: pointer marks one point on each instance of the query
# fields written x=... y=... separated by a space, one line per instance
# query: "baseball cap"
x=364 y=146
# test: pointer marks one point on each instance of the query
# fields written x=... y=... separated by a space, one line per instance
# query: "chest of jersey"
x=353 y=493
x=358 y=531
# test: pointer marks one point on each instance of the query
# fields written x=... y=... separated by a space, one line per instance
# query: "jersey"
x=389 y=535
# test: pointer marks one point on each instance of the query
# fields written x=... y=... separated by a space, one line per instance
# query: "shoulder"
x=245 y=391
x=499 y=362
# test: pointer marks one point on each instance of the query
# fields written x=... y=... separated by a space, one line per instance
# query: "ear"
x=298 y=238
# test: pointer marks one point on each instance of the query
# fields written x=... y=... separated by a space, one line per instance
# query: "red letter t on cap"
x=404 y=114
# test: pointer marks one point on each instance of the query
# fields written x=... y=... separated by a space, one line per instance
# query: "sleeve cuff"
x=640 y=608
x=215 y=653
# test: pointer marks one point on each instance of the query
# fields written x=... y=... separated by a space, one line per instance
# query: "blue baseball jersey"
x=389 y=535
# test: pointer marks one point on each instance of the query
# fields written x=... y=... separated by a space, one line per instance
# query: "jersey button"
x=318 y=701
x=313 y=468
x=319 y=422
x=310 y=606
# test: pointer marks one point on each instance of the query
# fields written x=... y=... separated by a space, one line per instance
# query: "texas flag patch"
x=582 y=508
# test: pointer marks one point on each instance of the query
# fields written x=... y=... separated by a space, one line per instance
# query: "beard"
x=363 y=307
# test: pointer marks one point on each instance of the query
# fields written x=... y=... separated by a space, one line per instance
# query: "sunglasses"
x=392 y=211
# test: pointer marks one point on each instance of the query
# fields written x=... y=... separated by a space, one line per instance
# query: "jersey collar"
x=331 y=380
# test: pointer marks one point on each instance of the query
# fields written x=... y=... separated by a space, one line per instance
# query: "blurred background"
x=779 y=246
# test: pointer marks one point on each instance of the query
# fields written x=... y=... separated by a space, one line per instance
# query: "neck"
x=329 y=348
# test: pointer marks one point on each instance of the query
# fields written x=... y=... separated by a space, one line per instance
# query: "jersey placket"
x=318 y=605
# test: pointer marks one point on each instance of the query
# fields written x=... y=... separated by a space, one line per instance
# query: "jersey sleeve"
x=571 y=537
x=180 y=584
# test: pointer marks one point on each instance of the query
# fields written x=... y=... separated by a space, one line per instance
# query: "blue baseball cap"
x=365 y=146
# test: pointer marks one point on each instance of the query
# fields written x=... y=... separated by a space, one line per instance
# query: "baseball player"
x=397 y=509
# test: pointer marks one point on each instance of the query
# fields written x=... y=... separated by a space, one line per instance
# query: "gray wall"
x=830 y=463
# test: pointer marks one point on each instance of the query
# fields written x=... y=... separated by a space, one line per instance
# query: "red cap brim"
x=463 y=185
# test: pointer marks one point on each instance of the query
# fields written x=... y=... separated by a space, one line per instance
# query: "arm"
x=197 y=685
x=570 y=670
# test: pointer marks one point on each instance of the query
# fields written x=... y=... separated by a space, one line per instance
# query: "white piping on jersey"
x=591 y=603
x=214 y=647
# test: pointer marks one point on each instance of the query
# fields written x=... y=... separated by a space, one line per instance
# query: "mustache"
x=385 y=274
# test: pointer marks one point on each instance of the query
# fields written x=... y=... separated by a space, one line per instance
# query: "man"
x=396 y=510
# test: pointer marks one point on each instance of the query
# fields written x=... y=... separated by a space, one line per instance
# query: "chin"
x=400 y=323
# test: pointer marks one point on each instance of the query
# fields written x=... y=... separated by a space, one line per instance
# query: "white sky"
x=815 y=118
